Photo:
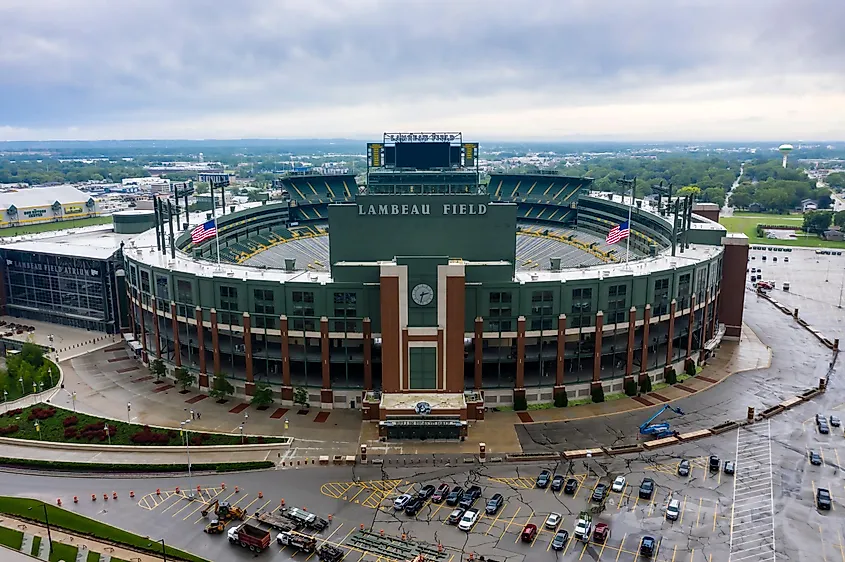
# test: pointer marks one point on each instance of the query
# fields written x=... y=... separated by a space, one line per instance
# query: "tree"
x=221 y=388
x=184 y=377
x=300 y=395
x=839 y=218
x=713 y=195
x=741 y=198
x=817 y=221
x=597 y=393
x=158 y=368
x=32 y=354
x=693 y=190
x=825 y=201
x=262 y=396
x=201 y=187
x=836 y=180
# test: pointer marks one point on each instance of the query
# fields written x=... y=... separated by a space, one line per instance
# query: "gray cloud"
x=78 y=63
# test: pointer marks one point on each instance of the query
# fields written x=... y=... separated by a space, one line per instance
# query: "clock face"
x=422 y=294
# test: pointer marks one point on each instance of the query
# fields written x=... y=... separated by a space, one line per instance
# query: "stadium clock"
x=422 y=294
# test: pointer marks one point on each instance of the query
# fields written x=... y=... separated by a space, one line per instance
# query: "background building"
x=45 y=204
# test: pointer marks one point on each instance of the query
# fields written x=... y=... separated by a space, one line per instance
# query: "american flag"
x=617 y=233
x=203 y=232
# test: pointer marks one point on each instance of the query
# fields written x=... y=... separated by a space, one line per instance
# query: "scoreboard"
x=422 y=151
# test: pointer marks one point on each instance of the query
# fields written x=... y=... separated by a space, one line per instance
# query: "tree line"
x=777 y=189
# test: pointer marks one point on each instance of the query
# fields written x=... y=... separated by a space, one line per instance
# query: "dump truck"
x=303 y=519
x=299 y=541
x=249 y=537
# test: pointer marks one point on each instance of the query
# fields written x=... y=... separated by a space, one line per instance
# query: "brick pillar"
x=287 y=389
x=326 y=396
x=478 y=345
x=560 y=364
x=156 y=329
x=644 y=360
x=732 y=293
x=215 y=341
x=670 y=343
x=177 y=353
x=713 y=315
x=143 y=323
x=597 y=348
x=519 y=387
x=368 y=354
x=704 y=320
x=632 y=332
x=690 y=326
x=249 y=386
x=131 y=302
x=201 y=344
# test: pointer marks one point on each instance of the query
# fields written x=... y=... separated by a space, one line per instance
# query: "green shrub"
x=597 y=393
x=689 y=368
x=561 y=400
x=520 y=403
x=645 y=385
x=671 y=375
x=66 y=466
x=631 y=387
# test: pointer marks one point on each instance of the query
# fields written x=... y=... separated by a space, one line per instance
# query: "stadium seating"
x=540 y=188
x=306 y=212
x=316 y=188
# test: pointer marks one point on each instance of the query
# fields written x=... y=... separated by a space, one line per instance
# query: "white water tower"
x=785 y=149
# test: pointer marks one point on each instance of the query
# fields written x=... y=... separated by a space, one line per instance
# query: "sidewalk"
x=76 y=541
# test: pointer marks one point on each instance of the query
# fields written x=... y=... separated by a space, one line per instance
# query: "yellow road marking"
x=519 y=536
x=499 y=514
x=510 y=523
x=821 y=538
x=715 y=513
x=223 y=500
x=584 y=549
x=683 y=509
x=674 y=551
x=698 y=517
x=621 y=546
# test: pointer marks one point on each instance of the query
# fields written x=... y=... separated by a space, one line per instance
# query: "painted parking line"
x=508 y=526
x=498 y=514
x=519 y=483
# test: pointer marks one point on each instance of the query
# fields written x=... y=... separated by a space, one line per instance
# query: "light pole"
x=47 y=523
x=184 y=426
x=108 y=434
x=73 y=399
x=128 y=412
x=241 y=427
x=163 y=551
x=23 y=391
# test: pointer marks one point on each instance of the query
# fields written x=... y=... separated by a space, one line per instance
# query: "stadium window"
x=133 y=275
x=263 y=299
x=345 y=307
x=162 y=288
x=617 y=303
x=542 y=305
x=661 y=297
x=303 y=307
x=145 y=282
x=582 y=306
x=500 y=312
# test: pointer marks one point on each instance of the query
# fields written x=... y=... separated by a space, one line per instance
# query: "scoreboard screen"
x=423 y=156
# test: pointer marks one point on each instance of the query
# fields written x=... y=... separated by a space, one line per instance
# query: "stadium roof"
x=42 y=196
x=96 y=242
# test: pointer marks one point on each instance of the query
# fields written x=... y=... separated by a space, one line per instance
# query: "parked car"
x=684 y=468
x=455 y=496
x=599 y=492
x=673 y=510
x=729 y=467
x=414 y=506
x=544 y=478
x=824 y=429
x=440 y=493
x=714 y=463
x=571 y=486
x=601 y=532
x=426 y=492
x=557 y=483
x=815 y=459
x=455 y=516
x=646 y=488
x=618 y=484
x=468 y=520
x=835 y=421
x=400 y=502
x=494 y=503
x=529 y=532
x=560 y=539
x=647 y=546
x=553 y=520
x=470 y=497
x=823 y=499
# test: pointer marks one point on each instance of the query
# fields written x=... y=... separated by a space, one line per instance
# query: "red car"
x=440 y=493
x=601 y=532
x=529 y=532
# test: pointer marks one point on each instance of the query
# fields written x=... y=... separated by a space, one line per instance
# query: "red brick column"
x=690 y=325
x=326 y=396
x=215 y=341
x=201 y=345
x=670 y=344
x=732 y=292
x=560 y=365
x=597 y=348
x=478 y=344
x=519 y=386
x=287 y=389
x=143 y=323
x=632 y=332
x=131 y=302
x=644 y=355
x=368 y=354
x=249 y=387
x=155 y=328
x=177 y=353
x=704 y=321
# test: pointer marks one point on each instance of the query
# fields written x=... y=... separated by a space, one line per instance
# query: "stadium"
x=422 y=296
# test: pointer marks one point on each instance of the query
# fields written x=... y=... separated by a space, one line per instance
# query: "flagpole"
x=217 y=240
x=630 y=231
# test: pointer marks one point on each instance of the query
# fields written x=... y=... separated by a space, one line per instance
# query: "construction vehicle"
x=303 y=519
x=224 y=511
x=660 y=430
x=249 y=537
x=302 y=543
x=275 y=521
x=215 y=527
x=328 y=553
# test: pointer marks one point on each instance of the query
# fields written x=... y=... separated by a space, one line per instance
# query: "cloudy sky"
x=495 y=69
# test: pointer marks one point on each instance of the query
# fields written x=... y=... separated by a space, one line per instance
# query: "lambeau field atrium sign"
x=445 y=209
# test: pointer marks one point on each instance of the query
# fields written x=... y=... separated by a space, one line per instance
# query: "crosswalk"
x=752 y=516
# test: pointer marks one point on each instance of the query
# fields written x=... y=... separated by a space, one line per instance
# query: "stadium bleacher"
x=550 y=189
x=318 y=188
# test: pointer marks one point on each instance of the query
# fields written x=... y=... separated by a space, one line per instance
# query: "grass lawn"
x=78 y=524
x=64 y=552
x=14 y=388
x=747 y=224
x=36 y=544
x=48 y=226
x=11 y=538
x=53 y=429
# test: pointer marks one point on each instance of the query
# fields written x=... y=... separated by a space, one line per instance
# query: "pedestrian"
x=193 y=415
x=199 y=415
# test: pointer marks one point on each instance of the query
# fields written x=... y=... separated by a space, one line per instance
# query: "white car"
x=401 y=501
x=553 y=520
x=673 y=510
x=468 y=520
x=583 y=529
x=618 y=484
